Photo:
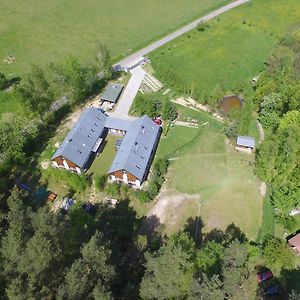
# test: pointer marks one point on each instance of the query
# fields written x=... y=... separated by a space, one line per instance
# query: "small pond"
x=230 y=102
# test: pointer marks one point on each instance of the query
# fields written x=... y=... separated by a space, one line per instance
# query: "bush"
x=113 y=190
x=142 y=196
x=169 y=111
x=3 y=81
x=100 y=182
x=157 y=177
x=75 y=182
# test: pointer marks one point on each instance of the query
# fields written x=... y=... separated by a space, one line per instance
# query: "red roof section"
x=295 y=242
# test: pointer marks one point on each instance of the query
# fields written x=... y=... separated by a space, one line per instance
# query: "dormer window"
x=138 y=166
x=89 y=136
x=99 y=118
x=93 y=130
x=96 y=124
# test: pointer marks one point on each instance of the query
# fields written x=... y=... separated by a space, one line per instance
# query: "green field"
x=43 y=31
x=204 y=164
x=233 y=48
x=40 y=32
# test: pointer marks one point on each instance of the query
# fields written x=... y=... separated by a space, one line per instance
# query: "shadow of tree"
x=216 y=235
x=193 y=228
x=233 y=232
x=290 y=279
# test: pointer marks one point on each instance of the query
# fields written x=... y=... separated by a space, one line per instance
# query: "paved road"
x=177 y=33
x=128 y=95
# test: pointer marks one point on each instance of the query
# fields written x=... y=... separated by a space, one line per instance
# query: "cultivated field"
x=232 y=49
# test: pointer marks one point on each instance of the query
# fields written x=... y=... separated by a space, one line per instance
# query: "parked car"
x=263 y=276
x=272 y=290
x=157 y=120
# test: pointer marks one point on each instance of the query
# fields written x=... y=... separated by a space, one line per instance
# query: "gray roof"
x=137 y=147
x=117 y=123
x=246 y=141
x=112 y=92
x=82 y=138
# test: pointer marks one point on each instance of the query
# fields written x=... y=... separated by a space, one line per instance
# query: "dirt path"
x=192 y=104
x=261 y=132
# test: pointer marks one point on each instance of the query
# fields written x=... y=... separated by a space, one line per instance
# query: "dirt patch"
x=168 y=205
x=263 y=189
x=45 y=164
x=186 y=124
x=73 y=117
x=191 y=103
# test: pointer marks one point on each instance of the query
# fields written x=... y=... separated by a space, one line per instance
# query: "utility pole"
x=198 y=216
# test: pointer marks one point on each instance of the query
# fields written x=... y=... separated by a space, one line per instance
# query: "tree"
x=208 y=259
x=234 y=266
x=90 y=274
x=207 y=289
x=169 y=111
x=14 y=134
x=103 y=60
x=34 y=92
x=3 y=81
x=158 y=282
x=17 y=234
x=276 y=253
x=270 y=110
x=290 y=119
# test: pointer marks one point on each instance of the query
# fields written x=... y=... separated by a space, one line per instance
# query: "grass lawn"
x=267 y=226
x=233 y=49
x=102 y=163
x=43 y=31
x=204 y=164
x=8 y=104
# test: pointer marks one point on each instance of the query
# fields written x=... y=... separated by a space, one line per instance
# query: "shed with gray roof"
x=112 y=92
x=245 y=141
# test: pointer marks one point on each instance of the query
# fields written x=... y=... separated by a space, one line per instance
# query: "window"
x=99 y=118
x=89 y=136
x=93 y=130
x=138 y=166
x=142 y=156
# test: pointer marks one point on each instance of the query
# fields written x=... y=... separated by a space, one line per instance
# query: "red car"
x=263 y=276
x=158 y=121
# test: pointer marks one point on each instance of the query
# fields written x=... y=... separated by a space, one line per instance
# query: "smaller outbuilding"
x=295 y=242
x=245 y=142
x=112 y=93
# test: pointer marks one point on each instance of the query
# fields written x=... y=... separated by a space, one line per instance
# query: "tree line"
x=114 y=254
x=277 y=98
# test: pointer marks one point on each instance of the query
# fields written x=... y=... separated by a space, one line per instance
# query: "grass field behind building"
x=206 y=165
x=233 y=48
